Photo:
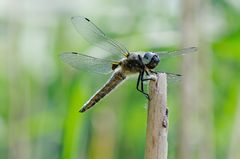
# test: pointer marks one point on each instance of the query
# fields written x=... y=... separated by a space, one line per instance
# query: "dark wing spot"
x=87 y=19
x=74 y=53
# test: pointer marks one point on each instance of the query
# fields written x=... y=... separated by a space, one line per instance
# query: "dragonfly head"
x=151 y=60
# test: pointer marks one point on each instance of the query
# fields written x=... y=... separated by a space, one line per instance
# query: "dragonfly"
x=128 y=63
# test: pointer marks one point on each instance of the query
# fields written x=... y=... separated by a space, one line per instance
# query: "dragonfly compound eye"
x=147 y=57
x=151 y=60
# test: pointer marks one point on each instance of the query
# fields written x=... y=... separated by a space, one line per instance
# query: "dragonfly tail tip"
x=82 y=110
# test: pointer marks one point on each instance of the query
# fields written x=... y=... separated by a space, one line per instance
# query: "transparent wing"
x=96 y=36
x=164 y=54
x=87 y=63
x=173 y=78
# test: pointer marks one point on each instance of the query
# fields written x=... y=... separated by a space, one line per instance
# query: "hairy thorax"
x=132 y=64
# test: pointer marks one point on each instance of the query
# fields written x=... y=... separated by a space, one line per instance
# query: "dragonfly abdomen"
x=115 y=80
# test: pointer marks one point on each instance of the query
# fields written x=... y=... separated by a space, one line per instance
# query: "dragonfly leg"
x=138 y=81
x=140 y=76
x=153 y=71
x=149 y=77
x=142 y=86
x=147 y=73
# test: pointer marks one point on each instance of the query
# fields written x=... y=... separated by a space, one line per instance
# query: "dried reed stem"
x=157 y=120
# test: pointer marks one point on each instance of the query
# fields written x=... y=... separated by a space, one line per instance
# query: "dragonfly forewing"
x=96 y=36
x=87 y=63
x=165 y=54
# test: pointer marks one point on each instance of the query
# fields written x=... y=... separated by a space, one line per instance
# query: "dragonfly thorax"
x=151 y=59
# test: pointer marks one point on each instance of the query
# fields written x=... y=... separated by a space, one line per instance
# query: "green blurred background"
x=40 y=96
